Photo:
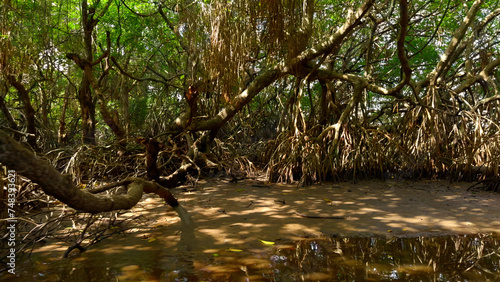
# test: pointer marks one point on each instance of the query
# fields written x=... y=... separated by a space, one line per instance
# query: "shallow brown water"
x=442 y=258
x=403 y=231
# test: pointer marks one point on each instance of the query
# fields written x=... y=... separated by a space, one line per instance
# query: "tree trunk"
x=84 y=93
x=324 y=114
x=87 y=111
x=124 y=98
x=28 y=110
x=85 y=98
x=62 y=136
x=8 y=116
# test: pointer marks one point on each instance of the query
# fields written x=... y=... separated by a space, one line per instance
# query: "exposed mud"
x=231 y=213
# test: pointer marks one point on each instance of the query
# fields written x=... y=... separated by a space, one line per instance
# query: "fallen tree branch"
x=16 y=157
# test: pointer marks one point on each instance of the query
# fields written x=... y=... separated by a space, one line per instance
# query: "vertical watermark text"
x=11 y=219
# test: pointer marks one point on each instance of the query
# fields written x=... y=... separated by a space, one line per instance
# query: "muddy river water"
x=252 y=231
x=443 y=258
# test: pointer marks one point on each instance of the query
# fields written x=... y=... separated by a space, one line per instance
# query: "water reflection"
x=450 y=258
x=445 y=258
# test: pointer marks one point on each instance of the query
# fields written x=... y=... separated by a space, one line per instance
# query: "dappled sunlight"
x=295 y=228
x=295 y=259
x=454 y=224
x=55 y=248
x=369 y=208
x=194 y=140
x=238 y=230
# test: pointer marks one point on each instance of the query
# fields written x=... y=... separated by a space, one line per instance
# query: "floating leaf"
x=389 y=231
x=215 y=255
x=267 y=242
x=151 y=240
x=234 y=250
x=328 y=200
x=240 y=190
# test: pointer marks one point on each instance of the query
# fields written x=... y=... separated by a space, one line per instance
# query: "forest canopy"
x=308 y=90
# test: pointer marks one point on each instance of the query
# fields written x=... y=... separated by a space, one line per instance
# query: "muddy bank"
x=226 y=212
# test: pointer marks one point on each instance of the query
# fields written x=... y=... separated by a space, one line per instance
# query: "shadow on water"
x=444 y=258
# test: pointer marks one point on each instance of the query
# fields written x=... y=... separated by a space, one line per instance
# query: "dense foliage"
x=312 y=90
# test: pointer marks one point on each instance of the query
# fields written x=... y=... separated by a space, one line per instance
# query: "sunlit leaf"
x=151 y=240
x=234 y=250
x=267 y=242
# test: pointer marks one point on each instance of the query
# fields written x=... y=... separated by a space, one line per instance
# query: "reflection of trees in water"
x=445 y=258
x=473 y=257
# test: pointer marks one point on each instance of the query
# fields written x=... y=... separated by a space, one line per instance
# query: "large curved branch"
x=268 y=77
x=356 y=79
x=29 y=111
x=461 y=47
x=254 y=88
x=405 y=65
x=447 y=57
x=402 y=57
x=482 y=76
x=23 y=161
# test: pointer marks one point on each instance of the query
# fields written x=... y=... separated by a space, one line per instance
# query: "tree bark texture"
x=17 y=157
x=28 y=109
